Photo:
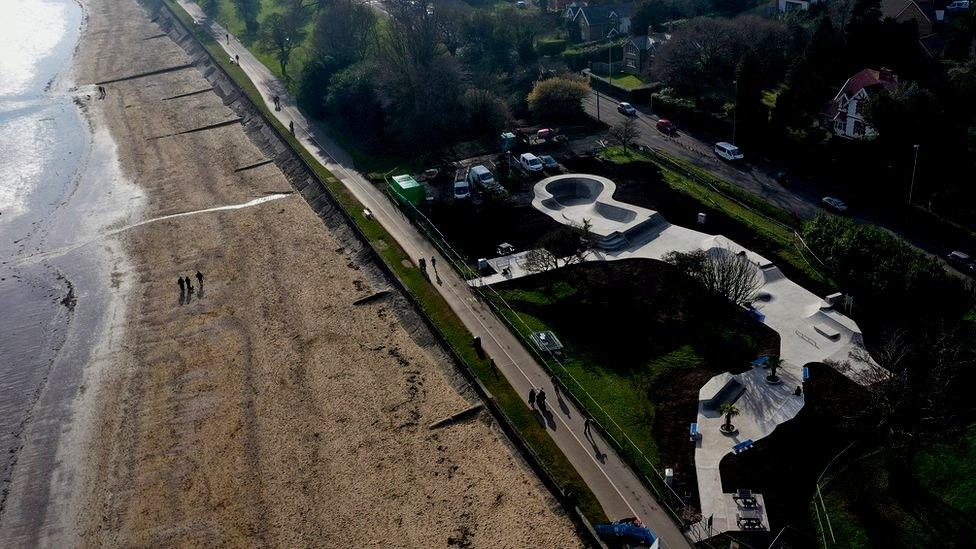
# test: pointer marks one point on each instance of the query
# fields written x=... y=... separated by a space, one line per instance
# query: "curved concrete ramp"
x=571 y=199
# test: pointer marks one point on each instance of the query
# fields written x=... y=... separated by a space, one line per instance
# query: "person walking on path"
x=189 y=285
x=291 y=126
x=541 y=398
x=531 y=397
x=182 y=285
x=277 y=103
x=200 y=279
x=422 y=263
x=586 y=426
x=433 y=262
x=227 y=37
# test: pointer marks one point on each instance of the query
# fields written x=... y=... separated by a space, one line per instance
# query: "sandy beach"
x=266 y=408
x=269 y=409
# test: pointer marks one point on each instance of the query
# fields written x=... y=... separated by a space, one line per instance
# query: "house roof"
x=867 y=78
x=599 y=14
x=891 y=8
x=650 y=41
x=925 y=9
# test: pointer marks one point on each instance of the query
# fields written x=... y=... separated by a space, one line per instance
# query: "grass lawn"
x=628 y=81
x=774 y=226
x=430 y=301
x=640 y=340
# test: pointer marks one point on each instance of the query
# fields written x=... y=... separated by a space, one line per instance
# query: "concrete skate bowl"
x=572 y=198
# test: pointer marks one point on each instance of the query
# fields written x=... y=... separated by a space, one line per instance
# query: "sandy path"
x=269 y=410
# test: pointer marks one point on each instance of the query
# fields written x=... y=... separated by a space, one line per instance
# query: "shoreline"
x=43 y=464
x=289 y=414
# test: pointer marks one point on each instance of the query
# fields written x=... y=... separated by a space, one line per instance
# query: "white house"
x=844 y=115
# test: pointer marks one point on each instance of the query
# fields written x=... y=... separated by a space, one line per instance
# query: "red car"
x=666 y=126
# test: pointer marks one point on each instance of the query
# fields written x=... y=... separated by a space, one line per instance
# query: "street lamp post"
x=911 y=189
x=735 y=109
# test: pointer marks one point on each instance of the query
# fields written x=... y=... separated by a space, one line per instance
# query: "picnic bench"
x=694 y=435
x=742 y=446
x=745 y=498
x=806 y=373
x=749 y=523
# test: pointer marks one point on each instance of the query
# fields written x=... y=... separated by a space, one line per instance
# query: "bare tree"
x=540 y=260
x=567 y=245
x=913 y=389
x=625 y=133
x=722 y=271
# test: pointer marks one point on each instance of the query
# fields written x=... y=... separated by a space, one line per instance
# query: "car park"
x=530 y=163
x=626 y=109
x=549 y=163
x=834 y=203
x=728 y=151
x=665 y=126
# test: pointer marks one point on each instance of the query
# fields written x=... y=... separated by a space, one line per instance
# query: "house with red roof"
x=844 y=115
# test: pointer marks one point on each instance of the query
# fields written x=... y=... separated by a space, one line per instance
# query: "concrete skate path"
x=615 y=485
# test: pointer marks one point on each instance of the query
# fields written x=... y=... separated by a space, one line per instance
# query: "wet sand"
x=268 y=409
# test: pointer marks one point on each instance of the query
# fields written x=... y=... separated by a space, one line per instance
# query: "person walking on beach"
x=200 y=279
x=531 y=397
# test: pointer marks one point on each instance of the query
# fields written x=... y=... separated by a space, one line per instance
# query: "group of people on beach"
x=186 y=286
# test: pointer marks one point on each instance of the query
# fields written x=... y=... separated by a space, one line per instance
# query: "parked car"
x=834 y=203
x=958 y=5
x=530 y=162
x=462 y=189
x=728 y=151
x=665 y=126
x=626 y=109
x=549 y=163
x=959 y=259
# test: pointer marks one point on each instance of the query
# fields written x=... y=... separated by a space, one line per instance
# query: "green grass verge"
x=431 y=302
x=770 y=223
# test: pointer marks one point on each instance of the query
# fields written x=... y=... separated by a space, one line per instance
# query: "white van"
x=728 y=151
x=481 y=176
x=530 y=162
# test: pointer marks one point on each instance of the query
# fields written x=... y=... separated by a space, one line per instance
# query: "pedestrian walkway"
x=614 y=484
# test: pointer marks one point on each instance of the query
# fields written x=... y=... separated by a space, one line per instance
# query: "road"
x=614 y=484
x=687 y=147
x=800 y=198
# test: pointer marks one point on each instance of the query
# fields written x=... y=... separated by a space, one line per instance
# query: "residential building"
x=599 y=22
x=844 y=115
x=639 y=52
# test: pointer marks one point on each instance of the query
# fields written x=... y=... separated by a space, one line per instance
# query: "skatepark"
x=811 y=330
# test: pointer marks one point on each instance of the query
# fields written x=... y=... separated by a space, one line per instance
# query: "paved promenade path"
x=615 y=485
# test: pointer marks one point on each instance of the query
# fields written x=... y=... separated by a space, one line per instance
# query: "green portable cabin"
x=408 y=189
